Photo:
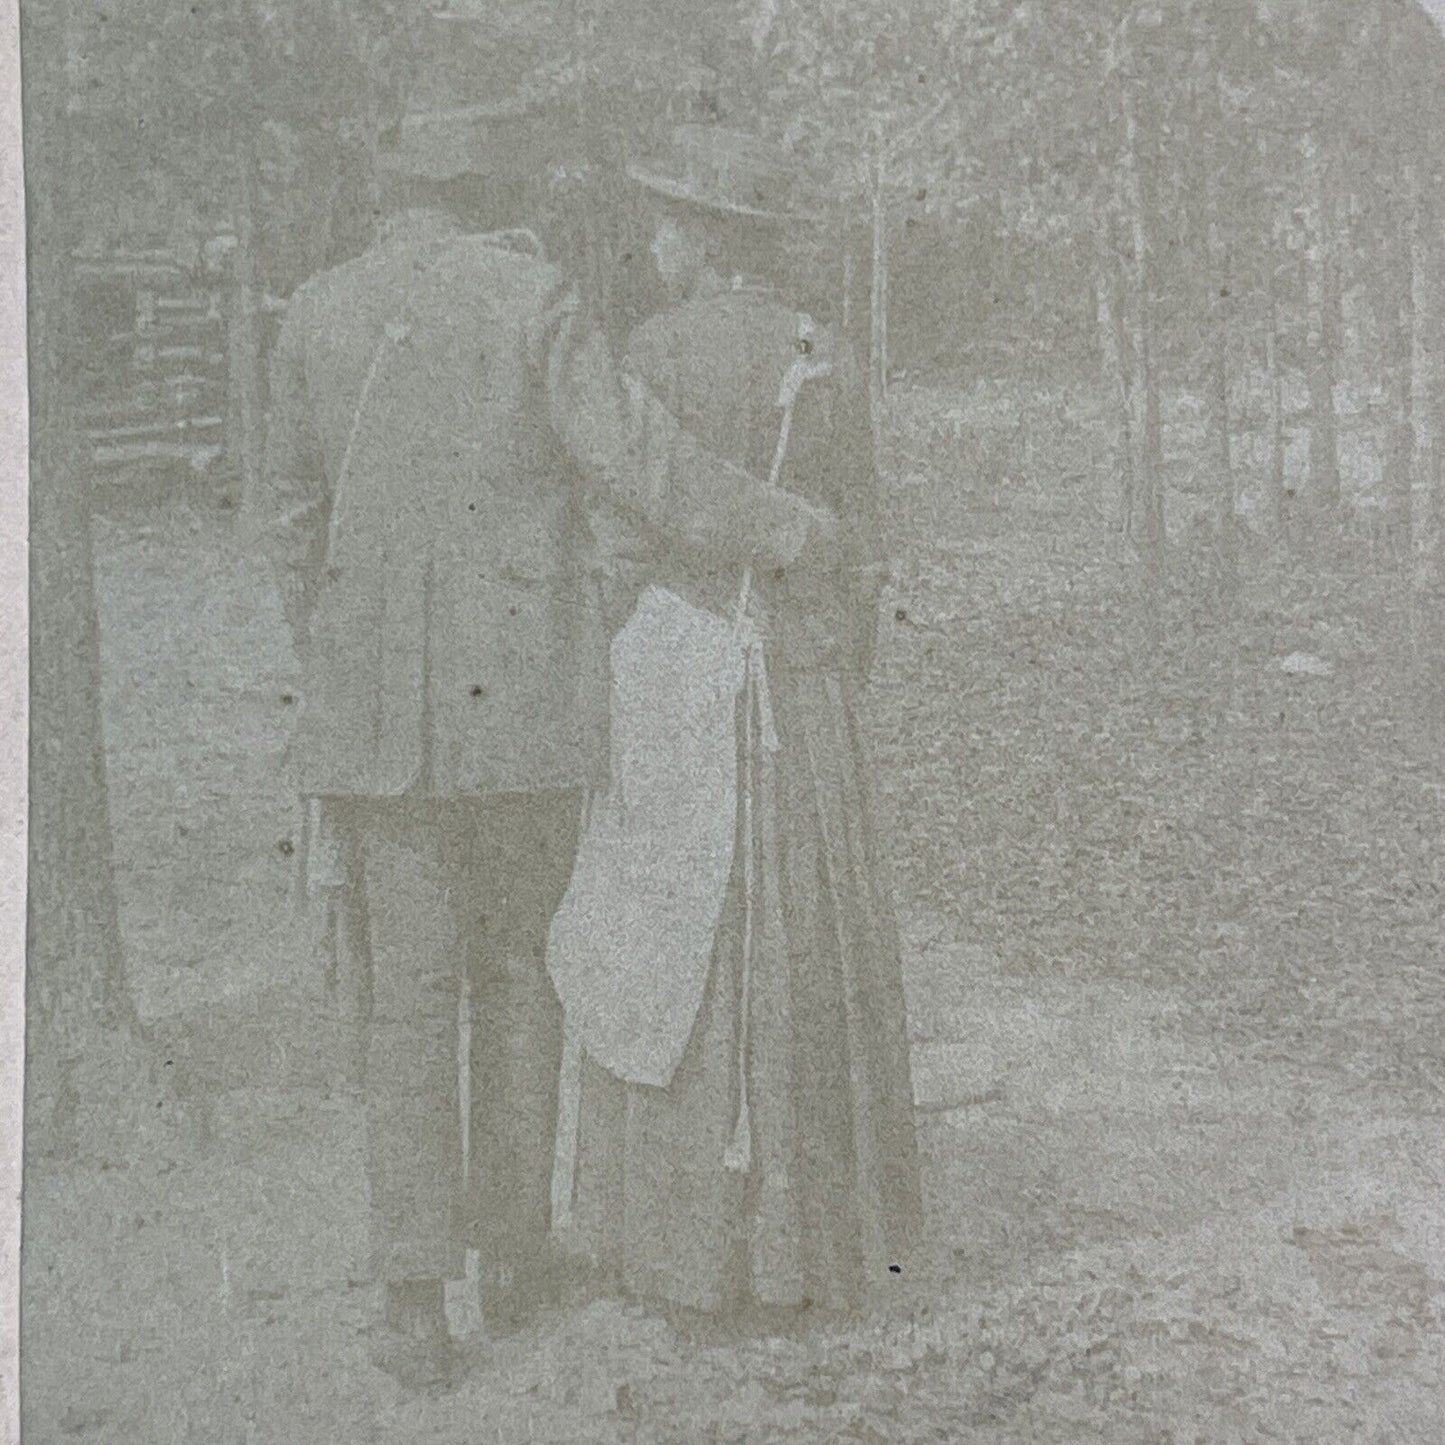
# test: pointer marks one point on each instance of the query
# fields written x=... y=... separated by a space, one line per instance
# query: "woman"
x=777 y=1168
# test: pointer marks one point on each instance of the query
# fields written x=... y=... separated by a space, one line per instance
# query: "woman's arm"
x=636 y=453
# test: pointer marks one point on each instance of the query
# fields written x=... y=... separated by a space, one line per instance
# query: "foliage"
x=1266 y=133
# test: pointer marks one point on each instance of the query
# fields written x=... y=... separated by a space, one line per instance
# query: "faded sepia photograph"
x=736 y=722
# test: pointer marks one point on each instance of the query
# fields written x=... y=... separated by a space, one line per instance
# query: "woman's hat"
x=732 y=173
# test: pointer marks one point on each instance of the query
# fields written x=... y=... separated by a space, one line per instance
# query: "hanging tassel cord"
x=759 y=732
x=757 y=719
x=739 y=1152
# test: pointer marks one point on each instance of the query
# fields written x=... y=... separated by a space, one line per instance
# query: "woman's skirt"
x=814 y=1201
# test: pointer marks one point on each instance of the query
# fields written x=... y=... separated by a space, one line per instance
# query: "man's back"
x=429 y=302
x=449 y=629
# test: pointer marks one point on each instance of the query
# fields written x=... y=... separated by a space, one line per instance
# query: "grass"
x=1090 y=779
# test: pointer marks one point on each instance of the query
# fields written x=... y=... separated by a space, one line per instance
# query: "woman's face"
x=678 y=253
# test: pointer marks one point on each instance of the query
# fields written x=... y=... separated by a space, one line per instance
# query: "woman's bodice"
x=718 y=363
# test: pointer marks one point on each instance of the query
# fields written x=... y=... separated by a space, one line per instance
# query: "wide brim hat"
x=731 y=173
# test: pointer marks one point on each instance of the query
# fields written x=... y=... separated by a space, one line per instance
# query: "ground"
x=1173 y=918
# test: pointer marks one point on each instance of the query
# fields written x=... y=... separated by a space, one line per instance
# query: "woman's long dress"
x=829 y=1204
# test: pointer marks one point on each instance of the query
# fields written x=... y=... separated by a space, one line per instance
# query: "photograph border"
x=14 y=702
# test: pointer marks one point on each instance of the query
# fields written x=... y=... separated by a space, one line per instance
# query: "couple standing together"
x=465 y=493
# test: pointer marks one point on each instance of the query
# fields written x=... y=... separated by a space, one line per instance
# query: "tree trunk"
x=1275 y=380
x=1104 y=336
x=1432 y=347
x=1324 y=335
x=1114 y=339
x=1430 y=677
x=77 y=995
x=1103 y=323
x=244 y=334
x=1401 y=474
x=1219 y=420
x=878 y=315
x=1148 y=515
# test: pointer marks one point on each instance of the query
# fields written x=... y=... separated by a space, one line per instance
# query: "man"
x=445 y=432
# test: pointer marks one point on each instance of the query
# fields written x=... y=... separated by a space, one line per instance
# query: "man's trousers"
x=449 y=900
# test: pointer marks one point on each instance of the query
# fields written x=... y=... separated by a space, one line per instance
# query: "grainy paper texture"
x=13 y=655
x=736 y=721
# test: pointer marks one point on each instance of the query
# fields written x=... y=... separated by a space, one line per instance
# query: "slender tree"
x=1400 y=468
x=1324 y=334
x=1140 y=157
x=78 y=1002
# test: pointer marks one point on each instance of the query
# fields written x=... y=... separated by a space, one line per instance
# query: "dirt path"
x=1134 y=1237
x=1163 y=1208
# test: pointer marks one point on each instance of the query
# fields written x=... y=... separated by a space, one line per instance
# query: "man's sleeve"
x=633 y=450
x=286 y=507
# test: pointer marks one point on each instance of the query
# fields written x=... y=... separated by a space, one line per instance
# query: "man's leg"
x=523 y=854
x=407 y=855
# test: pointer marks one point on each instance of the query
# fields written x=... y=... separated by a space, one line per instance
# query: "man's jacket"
x=445 y=430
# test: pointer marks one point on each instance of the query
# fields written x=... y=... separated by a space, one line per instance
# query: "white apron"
x=630 y=946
